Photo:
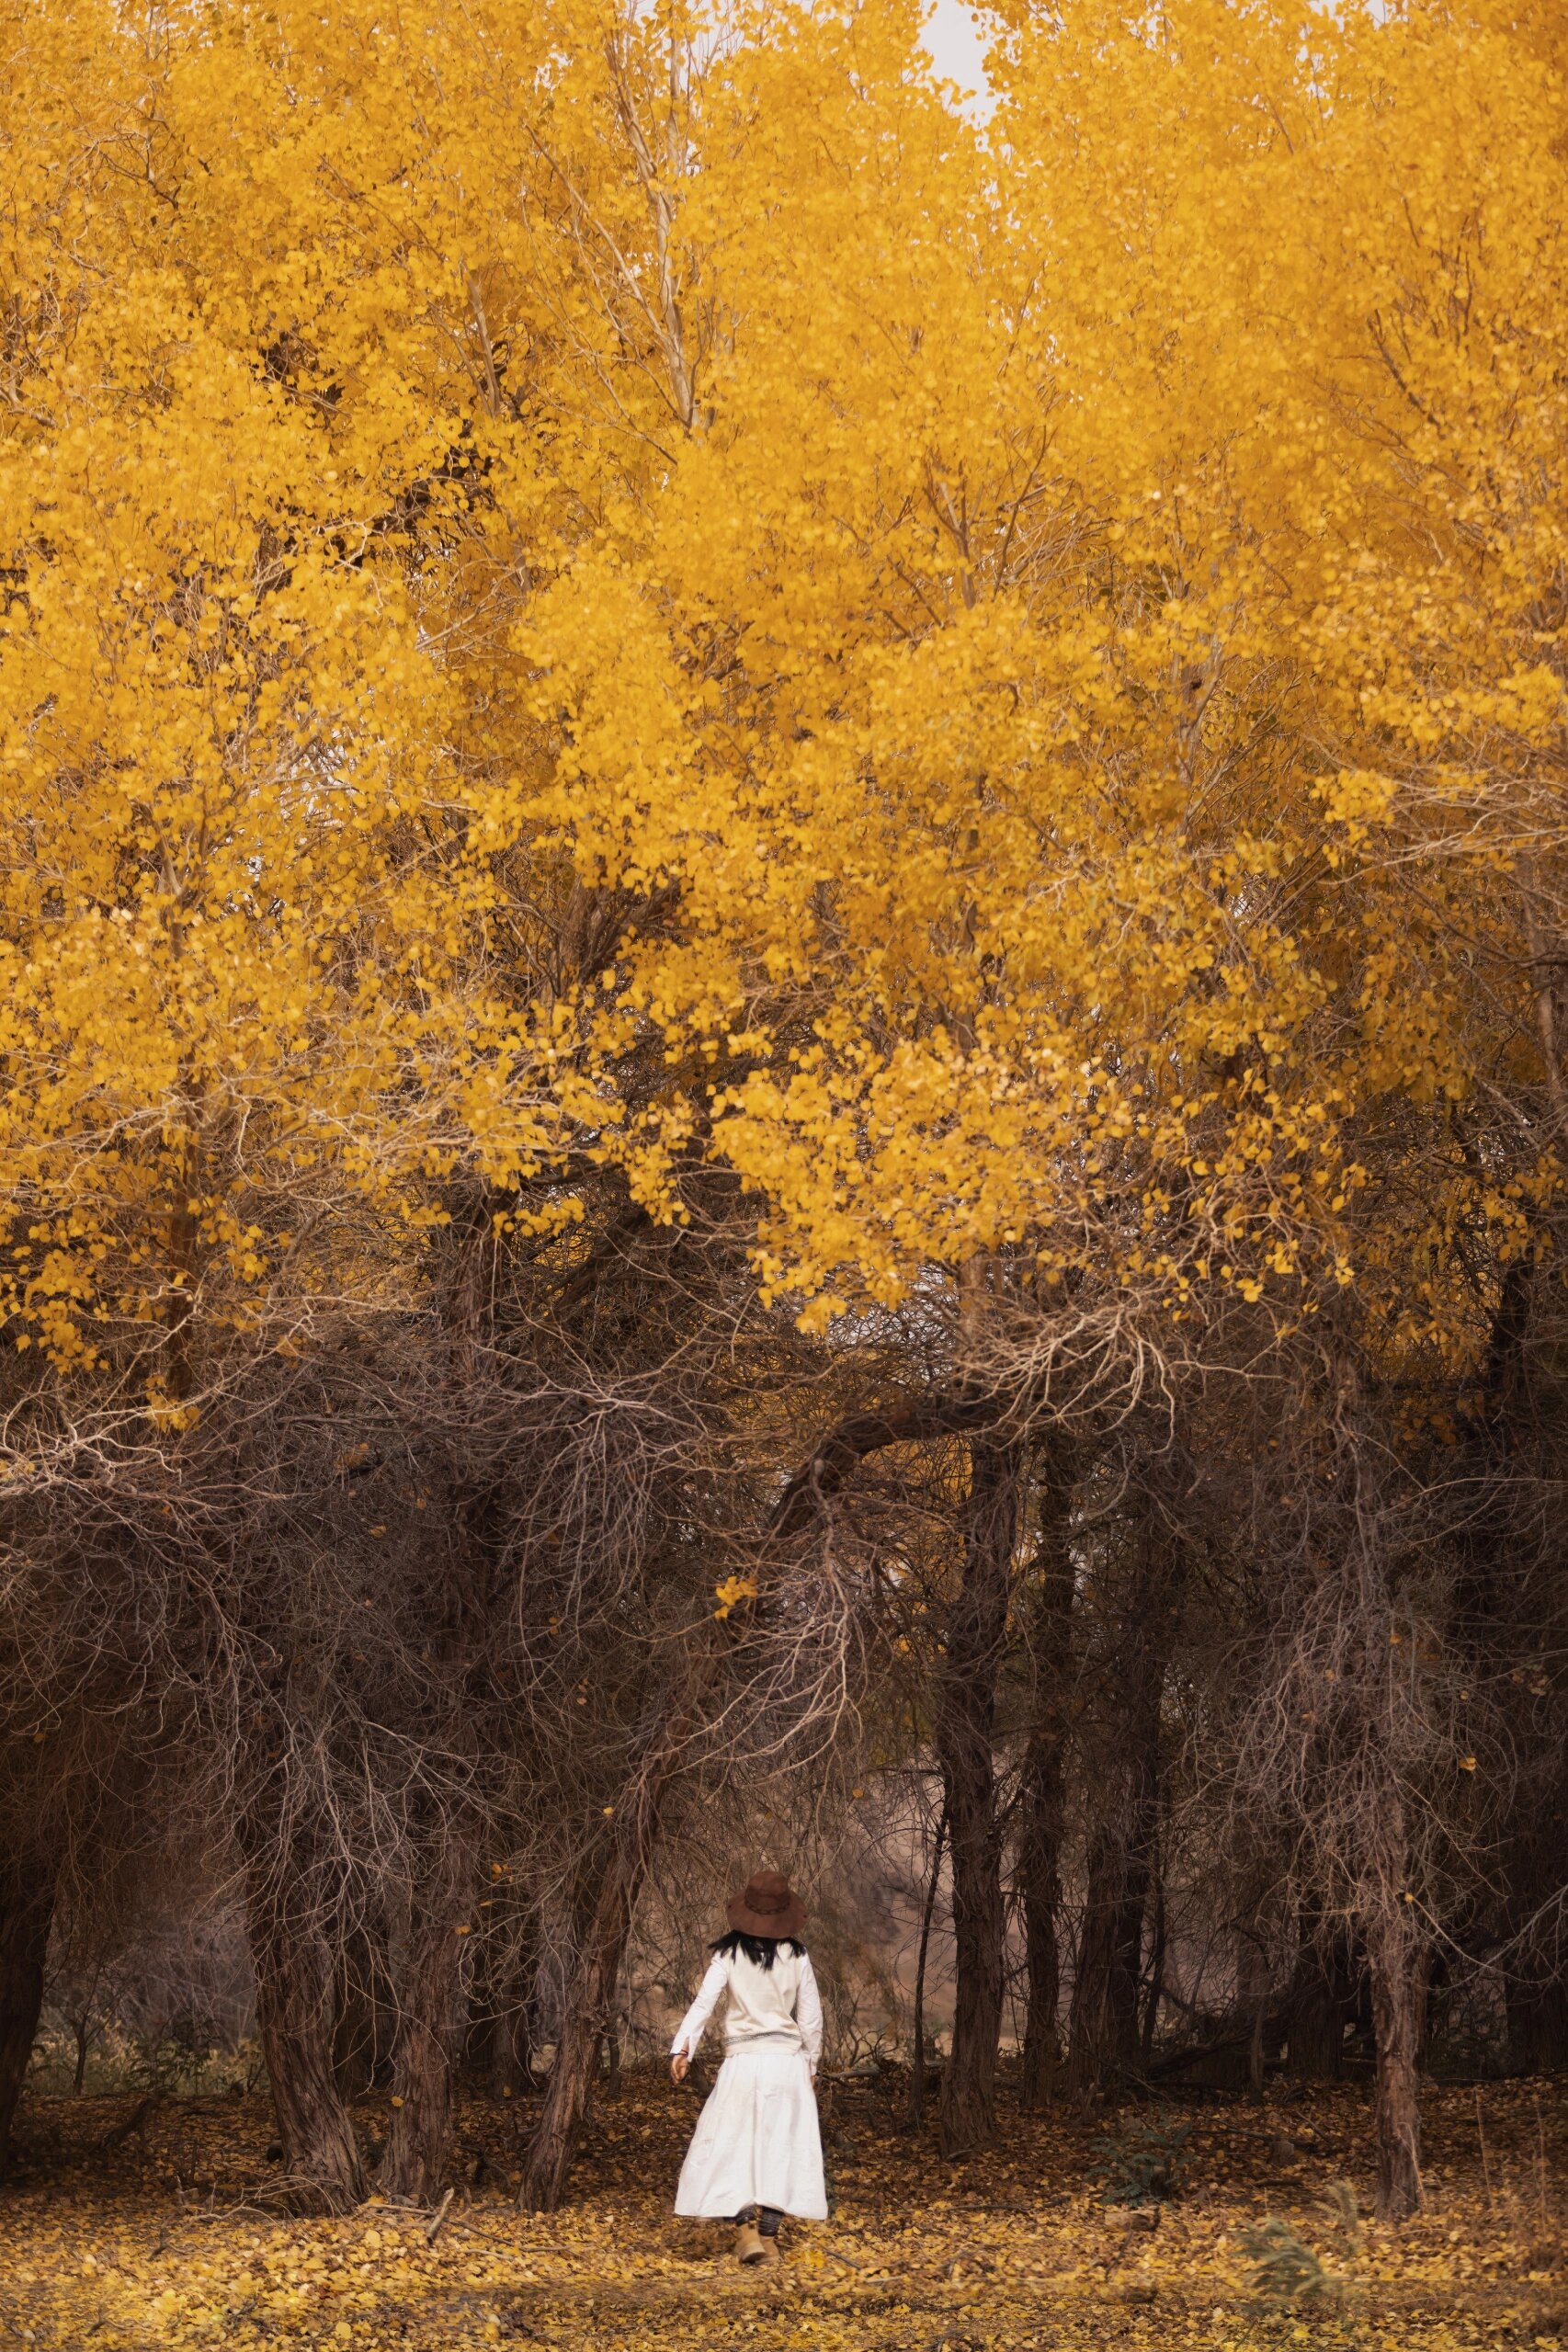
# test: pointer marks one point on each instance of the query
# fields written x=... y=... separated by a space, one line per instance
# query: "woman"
x=757 y=2143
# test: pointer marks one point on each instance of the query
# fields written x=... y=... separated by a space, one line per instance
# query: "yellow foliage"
x=585 y=579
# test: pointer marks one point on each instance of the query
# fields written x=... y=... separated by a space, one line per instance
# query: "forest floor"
x=172 y=2235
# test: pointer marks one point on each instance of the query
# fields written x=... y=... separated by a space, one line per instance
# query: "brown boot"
x=769 y=2249
x=750 y=2245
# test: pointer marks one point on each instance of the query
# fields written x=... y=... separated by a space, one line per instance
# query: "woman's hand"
x=680 y=2066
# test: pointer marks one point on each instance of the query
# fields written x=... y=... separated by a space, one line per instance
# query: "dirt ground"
x=170 y=2233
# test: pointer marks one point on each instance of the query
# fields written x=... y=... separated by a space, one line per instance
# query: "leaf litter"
x=175 y=2236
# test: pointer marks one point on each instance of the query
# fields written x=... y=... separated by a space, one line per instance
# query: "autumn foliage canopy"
x=1024 y=659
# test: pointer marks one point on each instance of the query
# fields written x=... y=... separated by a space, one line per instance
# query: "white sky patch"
x=959 y=52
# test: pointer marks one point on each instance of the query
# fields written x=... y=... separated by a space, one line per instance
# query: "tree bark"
x=917 y=2070
x=1094 y=2046
x=29 y=1875
x=1502 y=1603
x=1043 y=1793
x=1104 y=2033
x=964 y=1735
x=286 y=1911
x=430 y=2015
x=1158 y=1955
x=1137 y=1882
x=586 y=2007
x=1376 y=1839
x=589 y=1994
x=1394 y=1958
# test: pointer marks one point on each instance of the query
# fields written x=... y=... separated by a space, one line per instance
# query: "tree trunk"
x=585 y=2005
x=28 y=1876
x=1158 y=1955
x=588 y=1996
x=1137 y=1879
x=1092 y=2038
x=1043 y=1793
x=430 y=2013
x=1394 y=1959
x=1040 y=1858
x=1103 y=2027
x=1502 y=1603
x=917 y=2070
x=964 y=1727
x=1105 y=2032
x=288 y=1909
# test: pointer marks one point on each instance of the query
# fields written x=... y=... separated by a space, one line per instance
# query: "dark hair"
x=758 y=1949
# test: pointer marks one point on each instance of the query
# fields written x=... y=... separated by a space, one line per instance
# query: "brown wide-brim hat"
x=767 y=1905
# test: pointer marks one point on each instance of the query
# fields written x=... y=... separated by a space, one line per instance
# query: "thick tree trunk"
x=27 y=1879
x=1138 y=1878
x=1094 y=2048
x=288 y=1909
x=294 y=1974
x=1042 y=1953
x=1501 y=1605
x=1377 y=1840
x=1393 y=1959
x=585 y=2008
x=605 y=1924
x=1111 y=2033
x=430 y=2016
x=964 y=1731
x=1104 y=2038
x=1043 y=1792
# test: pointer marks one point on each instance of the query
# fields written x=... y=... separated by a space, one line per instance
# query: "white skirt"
x=757 y=2141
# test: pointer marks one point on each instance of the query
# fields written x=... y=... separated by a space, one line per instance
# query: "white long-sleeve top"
x=779 y=2005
